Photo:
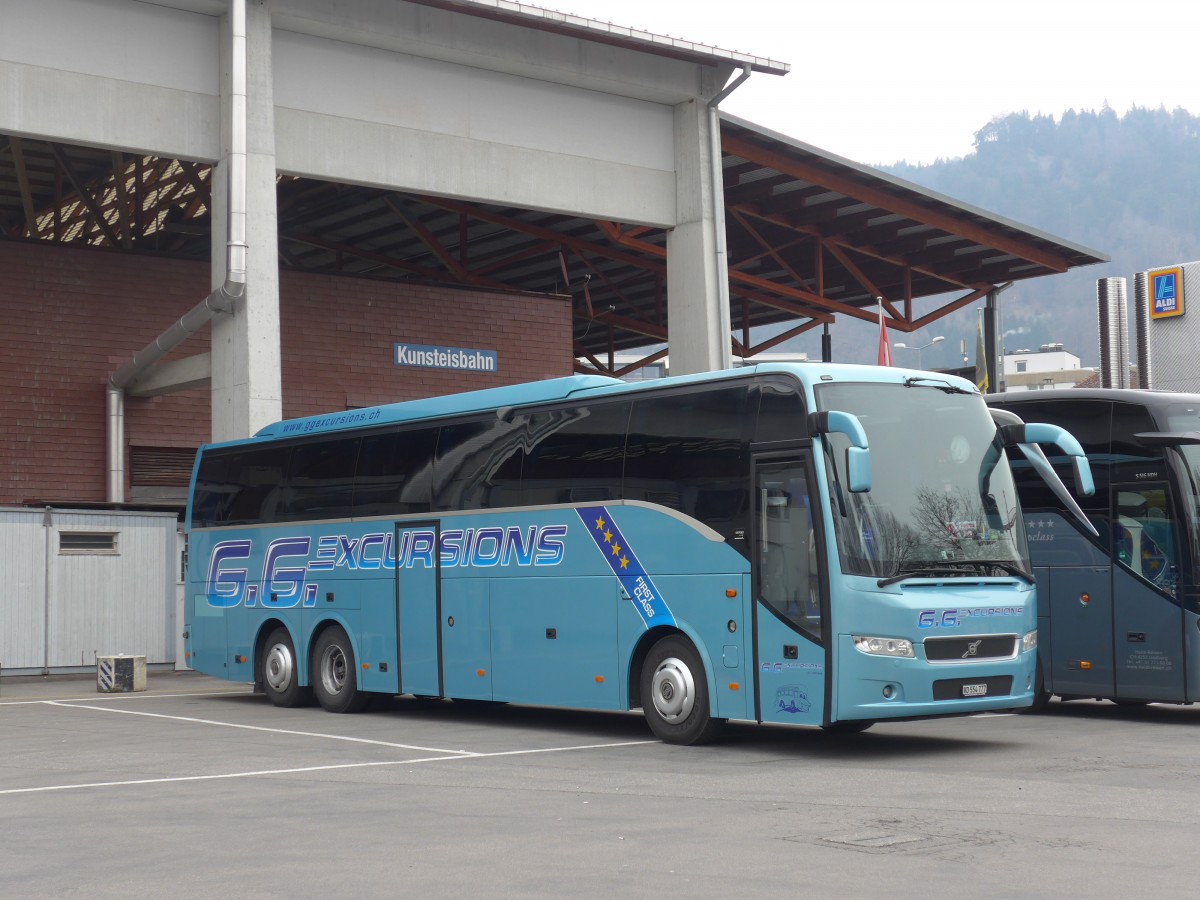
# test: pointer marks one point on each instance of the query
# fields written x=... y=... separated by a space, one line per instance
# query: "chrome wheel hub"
x=279 y=668
x=673 y=690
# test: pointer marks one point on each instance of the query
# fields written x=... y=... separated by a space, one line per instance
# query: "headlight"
x=881 y=646
x=1029 y=642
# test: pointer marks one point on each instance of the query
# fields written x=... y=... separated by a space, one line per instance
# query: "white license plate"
x=974 y=690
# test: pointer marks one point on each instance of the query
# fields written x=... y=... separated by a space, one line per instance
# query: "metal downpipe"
x=223 y=297
x=718 y=189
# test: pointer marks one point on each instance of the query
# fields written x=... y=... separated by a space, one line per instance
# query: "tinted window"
x=1088 y=421
x=478 y=464
x=690 y=452
x=577 y=454
x=781 y=412
x=240 y=487
x=394 y=473
x=1132 y=460
x=320 y=483
x=213 y=492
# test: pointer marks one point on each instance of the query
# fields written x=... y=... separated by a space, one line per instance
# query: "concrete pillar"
x=247 y=390
x=697 y=274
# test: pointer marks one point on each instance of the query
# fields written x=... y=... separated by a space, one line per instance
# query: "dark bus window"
x=320 y=481
x=478 y=464
x=781 y=411
x=254 y=486
x=690 y=452
x=214 y=492
x=1131 y=460
x=1088 y=421
x=1144 y=534
x=577 y=454
x=394 y=473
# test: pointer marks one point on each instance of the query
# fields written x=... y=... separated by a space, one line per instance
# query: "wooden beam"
x=121 y=201
x=903 y=206
x=85 y=196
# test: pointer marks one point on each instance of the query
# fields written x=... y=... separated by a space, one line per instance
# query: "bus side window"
x=1144 y=535
x=478 y=463
x=781 y=412
x=394 y=473
x=320 y=480
x=690 y=452
x=258 y=476
x=577 y=454
x=214 y=491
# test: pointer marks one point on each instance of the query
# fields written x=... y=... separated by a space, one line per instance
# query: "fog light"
x=888 y=692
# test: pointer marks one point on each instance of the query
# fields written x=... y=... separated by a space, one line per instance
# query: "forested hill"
x=1125 y=185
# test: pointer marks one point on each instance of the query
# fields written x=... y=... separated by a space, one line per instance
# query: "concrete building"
x=1048 y=368
x=215 y=214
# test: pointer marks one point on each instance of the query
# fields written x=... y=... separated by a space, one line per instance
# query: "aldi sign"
x=425 y=356
x=1166 y=292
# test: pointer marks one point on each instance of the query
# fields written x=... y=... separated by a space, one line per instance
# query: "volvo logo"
x=972 y=648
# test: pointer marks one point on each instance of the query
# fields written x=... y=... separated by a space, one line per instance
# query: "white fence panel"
x=22 y=607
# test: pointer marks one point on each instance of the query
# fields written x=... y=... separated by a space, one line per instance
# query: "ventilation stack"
x=1141 y=321
x=1114 y=332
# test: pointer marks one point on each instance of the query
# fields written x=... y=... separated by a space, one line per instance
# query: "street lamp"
x=902 y=346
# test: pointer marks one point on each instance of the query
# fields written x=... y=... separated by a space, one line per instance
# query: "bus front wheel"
x=277 y=669
x=335 y=681
x=1041 y=696
x=675 y=693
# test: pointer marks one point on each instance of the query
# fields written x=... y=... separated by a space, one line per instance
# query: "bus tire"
x=674 y=693
x=1041 y=697
x=277 y=669
x=334 y=675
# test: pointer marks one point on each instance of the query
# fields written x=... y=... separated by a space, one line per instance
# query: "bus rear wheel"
x=674 y=693
x=277 y=669
x=335 y=681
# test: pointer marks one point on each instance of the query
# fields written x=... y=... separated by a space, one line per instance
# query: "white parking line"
x=313 y=734
x=130 y=696
x=269 y=772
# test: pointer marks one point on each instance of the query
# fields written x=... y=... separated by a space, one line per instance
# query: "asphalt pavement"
x=199 y=788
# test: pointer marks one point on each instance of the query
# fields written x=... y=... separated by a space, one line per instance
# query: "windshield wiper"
x=1010 y=567
x=943 y=386
x=955 y=567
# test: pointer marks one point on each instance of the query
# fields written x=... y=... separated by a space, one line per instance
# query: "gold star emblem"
x=624 y=562
x=599 y=524
x=616 y=549
x=608 y=537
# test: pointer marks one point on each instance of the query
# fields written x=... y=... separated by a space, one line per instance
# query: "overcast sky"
x=878 y=81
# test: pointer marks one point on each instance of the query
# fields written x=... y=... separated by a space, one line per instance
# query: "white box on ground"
x=121 y=673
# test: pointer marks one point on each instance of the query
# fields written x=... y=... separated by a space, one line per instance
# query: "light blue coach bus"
x=816 y=544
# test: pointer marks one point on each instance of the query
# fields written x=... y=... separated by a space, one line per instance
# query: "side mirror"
x=858 y=454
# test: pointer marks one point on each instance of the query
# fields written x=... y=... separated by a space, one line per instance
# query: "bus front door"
x=1147 y=614
x=418 y=605
x=789 y=608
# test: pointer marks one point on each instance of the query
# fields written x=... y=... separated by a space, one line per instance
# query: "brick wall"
x=71 y=317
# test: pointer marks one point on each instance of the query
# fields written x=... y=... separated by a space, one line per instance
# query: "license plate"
x=974 y=690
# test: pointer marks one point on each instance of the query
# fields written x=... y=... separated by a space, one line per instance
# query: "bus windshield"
x=942 y=498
